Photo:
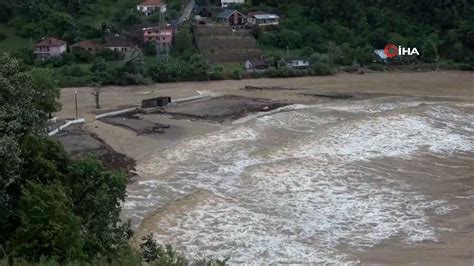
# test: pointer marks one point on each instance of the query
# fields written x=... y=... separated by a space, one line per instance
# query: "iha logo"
x=391 y=50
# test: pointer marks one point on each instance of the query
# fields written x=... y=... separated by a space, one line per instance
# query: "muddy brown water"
x=386 y=180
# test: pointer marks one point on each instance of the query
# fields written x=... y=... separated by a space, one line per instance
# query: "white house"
x=298 y=64
x=262 y=19
x=150 y=6
x=226 y=3
x=50 y=47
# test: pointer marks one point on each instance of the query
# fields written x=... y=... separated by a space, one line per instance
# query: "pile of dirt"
x=79 y=144
x=134 y=122
x=223 y=108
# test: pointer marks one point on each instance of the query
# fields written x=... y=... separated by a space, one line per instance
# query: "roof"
x=118 y=41
x=266 y=16
x=227 y=13
x=381 y=54
x=87 y=44
x=251 y=14
x=51 y=42
x=152 y=3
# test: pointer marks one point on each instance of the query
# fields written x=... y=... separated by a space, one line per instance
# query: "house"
x=150 y=6
x=87 y=45
x=300 y=64
x=257 y=65
x=50 y=47
x=262 y=19
x=156 y=34
x=119 y=44
x=226 y=3
x=233 y=17
x=381 y=57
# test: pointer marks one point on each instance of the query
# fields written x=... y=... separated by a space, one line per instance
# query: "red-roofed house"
x=150 y=6
x=50 y=47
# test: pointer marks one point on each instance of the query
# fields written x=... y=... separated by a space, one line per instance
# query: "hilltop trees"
x=355 y=25
x=50 y=205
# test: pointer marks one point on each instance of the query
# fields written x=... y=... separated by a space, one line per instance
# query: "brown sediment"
x=152 y=222
x=135 y=123
x=80 y=143
x=453 y=247
x=223 y=108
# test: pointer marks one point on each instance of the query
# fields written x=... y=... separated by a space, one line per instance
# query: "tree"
x=48 y=225
x=156 y=254
x=289 y=38
x=183 y=41
x=429 y=51
x=46 y=89
x=96 y=93
x=50 y=205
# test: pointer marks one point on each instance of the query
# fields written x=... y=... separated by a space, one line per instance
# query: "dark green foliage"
x=48 y=225
x=50 y=205
x=156 y=254
x=183 y=41
x=353 y=26
x=196 y=68
x=321 y=69
x=3 y=36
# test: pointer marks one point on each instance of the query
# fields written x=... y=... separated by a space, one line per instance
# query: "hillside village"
x=221 y=34
x=144 y=41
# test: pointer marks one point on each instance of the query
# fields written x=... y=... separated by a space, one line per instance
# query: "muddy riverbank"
x=372 y=169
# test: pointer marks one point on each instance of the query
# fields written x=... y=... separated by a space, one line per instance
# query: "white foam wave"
x=299 y=198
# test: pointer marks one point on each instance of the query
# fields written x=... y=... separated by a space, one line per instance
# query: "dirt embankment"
x=79 y=144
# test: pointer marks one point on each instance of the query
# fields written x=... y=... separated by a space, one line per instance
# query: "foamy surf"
x=304 y=184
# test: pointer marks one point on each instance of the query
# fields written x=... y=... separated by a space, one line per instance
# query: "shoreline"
x=377 y=87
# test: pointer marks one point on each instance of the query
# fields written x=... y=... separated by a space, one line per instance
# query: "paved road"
x=186 y=12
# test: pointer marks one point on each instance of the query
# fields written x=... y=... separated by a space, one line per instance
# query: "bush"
x=237 y=74
x=3 y=36
x=376 y=67
x=321 y=69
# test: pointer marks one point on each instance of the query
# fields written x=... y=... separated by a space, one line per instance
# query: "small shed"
x=380 y=56
x=156 y=102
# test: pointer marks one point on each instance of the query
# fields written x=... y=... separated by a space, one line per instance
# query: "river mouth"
x=322 y=183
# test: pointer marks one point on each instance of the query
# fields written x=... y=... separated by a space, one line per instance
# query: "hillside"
x=70 y=20
x=222 y=45
x=350 y=28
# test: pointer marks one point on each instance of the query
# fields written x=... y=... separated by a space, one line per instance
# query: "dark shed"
x=156 y=102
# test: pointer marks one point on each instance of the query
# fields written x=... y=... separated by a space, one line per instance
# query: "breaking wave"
x=304 y=184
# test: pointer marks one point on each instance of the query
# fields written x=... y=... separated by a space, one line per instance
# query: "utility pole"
x=75 y=99
x=162 y=48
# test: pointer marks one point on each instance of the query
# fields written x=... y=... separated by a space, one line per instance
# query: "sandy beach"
x=345 y=169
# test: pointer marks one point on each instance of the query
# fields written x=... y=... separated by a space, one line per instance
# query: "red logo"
x=391 y=50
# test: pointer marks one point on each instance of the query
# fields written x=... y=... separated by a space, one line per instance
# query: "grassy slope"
x=13 y=42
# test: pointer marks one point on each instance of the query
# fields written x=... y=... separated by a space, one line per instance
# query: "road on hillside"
x=186 y=12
